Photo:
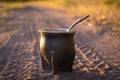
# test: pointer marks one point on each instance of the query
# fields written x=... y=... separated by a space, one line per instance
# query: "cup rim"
x=59 y=30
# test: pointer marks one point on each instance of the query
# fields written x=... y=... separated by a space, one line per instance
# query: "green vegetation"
x=118 y=29
x=109 y=2
x=112 y=2
x=101 y=11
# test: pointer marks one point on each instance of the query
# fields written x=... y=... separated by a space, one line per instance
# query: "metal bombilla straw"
x=76 y=22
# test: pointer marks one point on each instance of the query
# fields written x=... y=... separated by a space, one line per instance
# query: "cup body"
x=57 y=49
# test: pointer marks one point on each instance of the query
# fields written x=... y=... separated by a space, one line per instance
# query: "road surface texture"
x=20 y=57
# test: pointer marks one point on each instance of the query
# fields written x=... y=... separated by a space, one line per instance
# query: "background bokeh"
x=102 y=12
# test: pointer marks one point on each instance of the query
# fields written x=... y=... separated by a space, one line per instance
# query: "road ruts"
x=90 y=60
x=20 y=58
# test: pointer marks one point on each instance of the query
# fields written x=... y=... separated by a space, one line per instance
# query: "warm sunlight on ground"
x=97 y=39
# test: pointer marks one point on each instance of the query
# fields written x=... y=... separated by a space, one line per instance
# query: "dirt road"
x=20 y=57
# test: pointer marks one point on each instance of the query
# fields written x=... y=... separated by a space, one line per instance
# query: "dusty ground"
x=97 y=47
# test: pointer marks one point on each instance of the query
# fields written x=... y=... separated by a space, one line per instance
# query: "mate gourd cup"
x=57 y=49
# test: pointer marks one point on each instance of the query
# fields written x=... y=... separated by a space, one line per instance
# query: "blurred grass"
x=5 y=7
x=101 y=14
x=118 y=29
